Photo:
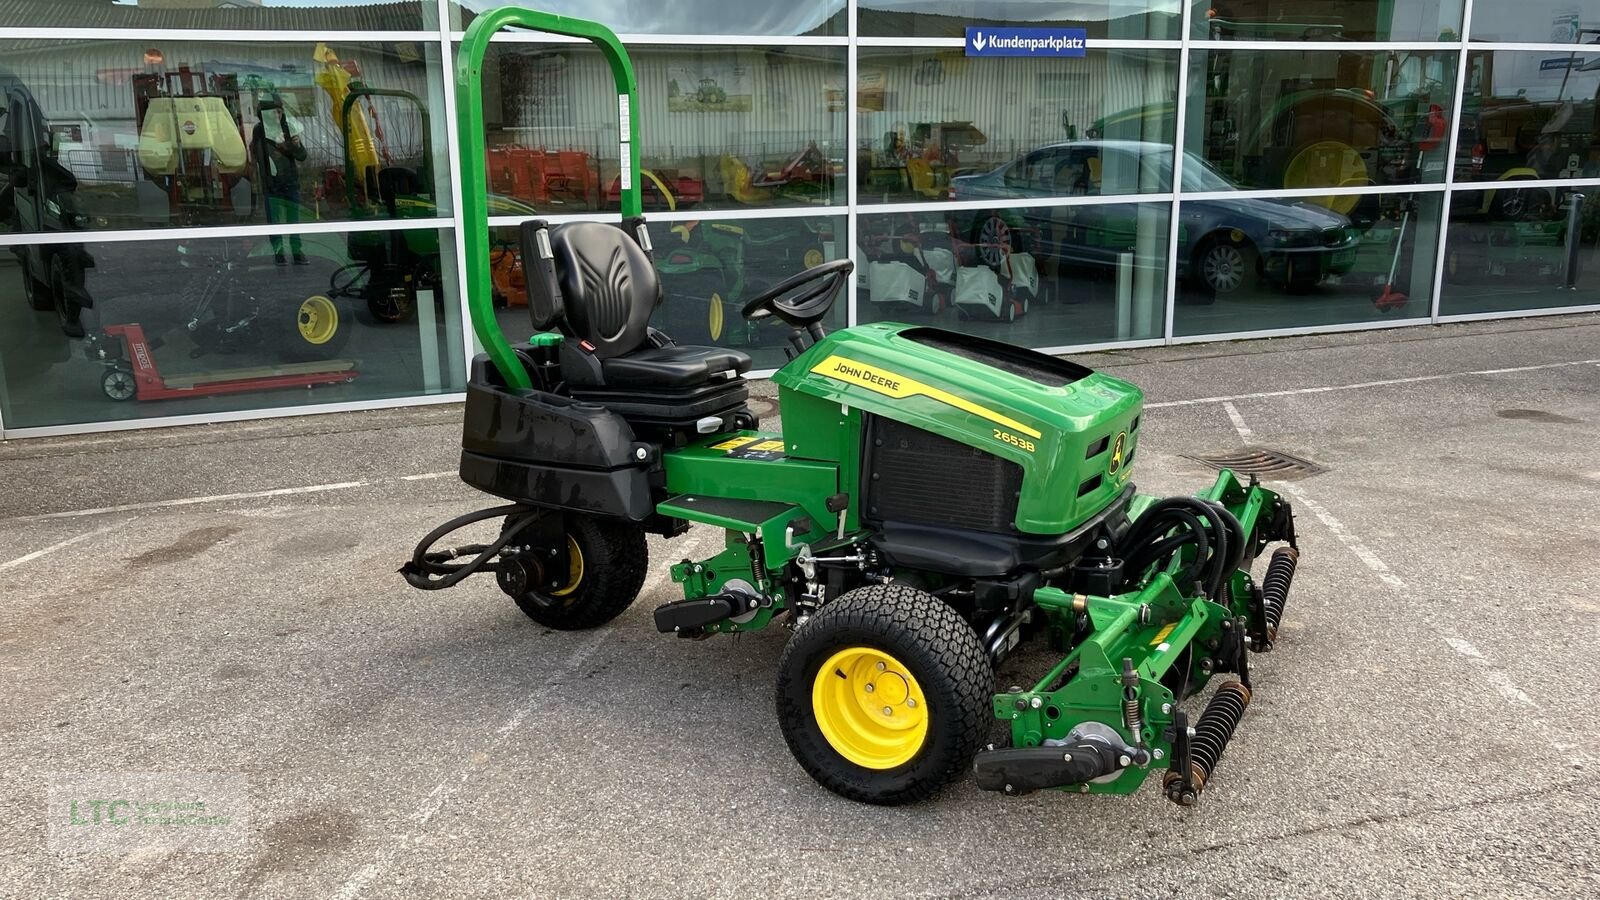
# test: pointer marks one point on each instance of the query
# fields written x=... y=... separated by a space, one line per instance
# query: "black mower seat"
x=673 y=367
x=609 y=290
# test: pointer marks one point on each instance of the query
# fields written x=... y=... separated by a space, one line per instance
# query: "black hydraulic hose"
x=430 y=571
x=1217 y=533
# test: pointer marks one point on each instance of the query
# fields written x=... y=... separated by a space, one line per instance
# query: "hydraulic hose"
x=1168 y=526
x=431 y=570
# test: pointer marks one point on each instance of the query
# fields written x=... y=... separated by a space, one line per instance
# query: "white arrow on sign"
x=978 y=42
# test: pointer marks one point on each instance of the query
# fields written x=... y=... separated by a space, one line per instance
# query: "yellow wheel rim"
x=1327 y=164
x=574 y=569
x=813 y=258
x=870 y=708
x=714 y=317
x=318 y=319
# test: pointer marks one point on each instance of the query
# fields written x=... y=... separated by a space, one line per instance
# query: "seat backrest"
x=608 y=286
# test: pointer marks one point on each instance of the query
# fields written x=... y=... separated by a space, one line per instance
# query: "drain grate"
x=1260 y=461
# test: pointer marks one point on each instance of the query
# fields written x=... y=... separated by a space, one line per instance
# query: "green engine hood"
x=1071 y=429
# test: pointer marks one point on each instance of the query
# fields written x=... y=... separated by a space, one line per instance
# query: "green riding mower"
x=934 y=502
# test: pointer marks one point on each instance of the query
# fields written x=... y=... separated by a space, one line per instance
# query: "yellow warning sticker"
x=768 y=445
x=892 y=384
x=733 y=443
x=1162 y=634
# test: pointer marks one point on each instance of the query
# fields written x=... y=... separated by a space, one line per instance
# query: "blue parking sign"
x=986 y=41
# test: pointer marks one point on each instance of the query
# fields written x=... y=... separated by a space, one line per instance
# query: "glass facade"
x=221 y=209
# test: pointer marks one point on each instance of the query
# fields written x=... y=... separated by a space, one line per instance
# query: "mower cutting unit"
x=934 y=501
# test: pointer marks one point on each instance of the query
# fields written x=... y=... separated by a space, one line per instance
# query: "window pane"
x=1153 y=19
x=130 y=134
x=1253 y=265
x=806 y=17
x=1296 y=119
x=709 y=270
x=1529 y=115
x=1040 y=277
x=936 y=125
x=275 y=15
x=93 y=332
x=1510 y=249
x=719 y=127
x=1319 y=20
x=1535 y=22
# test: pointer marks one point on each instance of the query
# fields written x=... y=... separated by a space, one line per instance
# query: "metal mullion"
x=1530 y=46
x=1518 y=314
x=1180 y=122
x=852 y=128
x=131 y=235
x=447 y=57
x=959 y=43
x=1297 y=331
x=1334 y=46
x=673 y=40
x=234 y=415
x=1437 y=291
x=1013 y=203
x=218 y=35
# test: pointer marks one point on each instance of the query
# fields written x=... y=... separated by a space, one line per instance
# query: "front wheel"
x=884 y=695
x=34 y=292
x=606 y=563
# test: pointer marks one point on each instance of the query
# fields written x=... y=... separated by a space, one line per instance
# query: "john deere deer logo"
x=1116 y=454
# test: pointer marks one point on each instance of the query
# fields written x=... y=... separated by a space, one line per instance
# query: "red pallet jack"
x=144 y=381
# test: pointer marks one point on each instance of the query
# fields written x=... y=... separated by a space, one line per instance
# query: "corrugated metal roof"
x=402 y=16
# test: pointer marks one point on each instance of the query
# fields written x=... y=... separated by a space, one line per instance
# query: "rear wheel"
x=67 y=295
x=606 y=562
x=884 y=695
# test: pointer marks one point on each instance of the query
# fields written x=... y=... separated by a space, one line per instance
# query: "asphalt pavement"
x=222 y=600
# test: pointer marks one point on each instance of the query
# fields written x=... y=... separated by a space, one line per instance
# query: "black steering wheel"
x=802 y=300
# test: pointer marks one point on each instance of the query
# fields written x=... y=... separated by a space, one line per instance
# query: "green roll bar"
x=474 y=174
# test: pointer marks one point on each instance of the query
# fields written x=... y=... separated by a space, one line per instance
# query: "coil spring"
x=1131 y=716
x=1211 y=736
x=1275 y=587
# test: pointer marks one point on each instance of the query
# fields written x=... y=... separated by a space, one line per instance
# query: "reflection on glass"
x=119 y=134
x=1319 y=20
x=934 y=125
x=1259 y=264
x=1295 y=119
x=1535 y=21
x=1521 y=248
x=115 y=330
x=806 y=17
x=720 y=128
x=709 y=270
x=1150 y=19
x=1041 y=277
x=1529 y=115
x=271 y=15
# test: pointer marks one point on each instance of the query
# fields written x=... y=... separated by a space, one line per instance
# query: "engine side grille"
x=918 y=477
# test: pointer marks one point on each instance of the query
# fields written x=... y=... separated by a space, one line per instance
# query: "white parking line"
x=1496 y=678
x=30 y=557
x=1361 y=550
x=1370 y=384
x=190 y=501
x=1500 y=680
x=436 y=798
x=1245 y=434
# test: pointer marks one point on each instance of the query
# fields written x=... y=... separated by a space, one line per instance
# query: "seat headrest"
x=608 y=286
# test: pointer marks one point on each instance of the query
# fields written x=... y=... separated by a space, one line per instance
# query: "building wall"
x=1347 y=165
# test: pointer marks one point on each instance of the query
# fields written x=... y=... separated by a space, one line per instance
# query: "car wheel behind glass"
x=1223 y=266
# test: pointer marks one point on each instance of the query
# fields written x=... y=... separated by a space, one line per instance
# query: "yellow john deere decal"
x=898 y=386
x=1116 y=453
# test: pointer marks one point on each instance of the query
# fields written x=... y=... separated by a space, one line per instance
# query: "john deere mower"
x=935 y=501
